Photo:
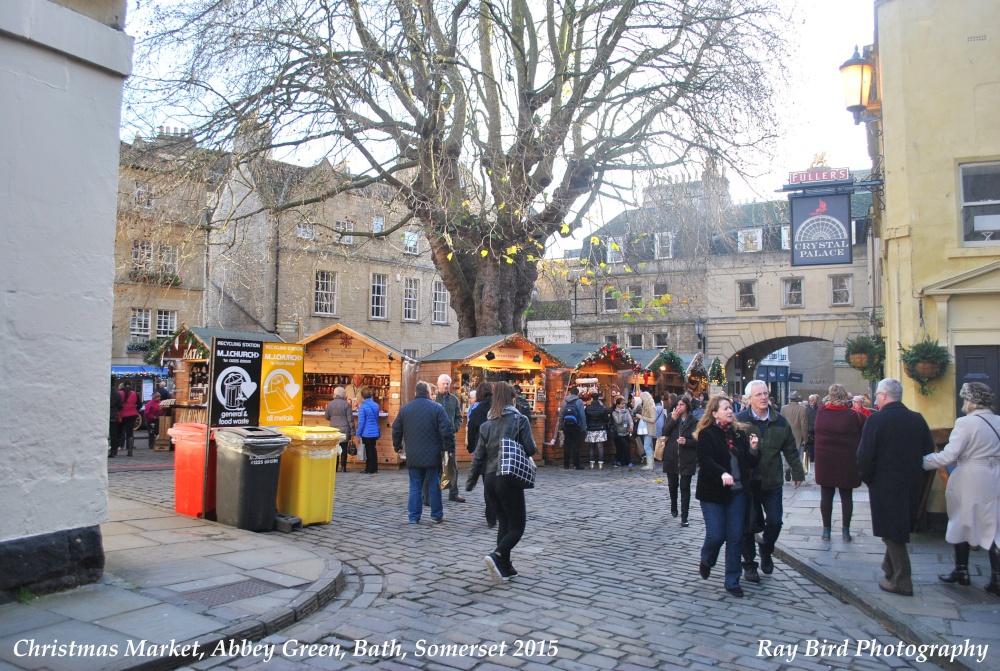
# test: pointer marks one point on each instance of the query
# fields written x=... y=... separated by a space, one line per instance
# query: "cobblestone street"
x=608 y=580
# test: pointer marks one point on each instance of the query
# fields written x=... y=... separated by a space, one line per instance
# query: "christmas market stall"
x=697 y=375
x=663 y=370
x=338 y=356
x=509 y=358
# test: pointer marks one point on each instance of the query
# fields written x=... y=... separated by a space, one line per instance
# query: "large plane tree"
x=497 y=122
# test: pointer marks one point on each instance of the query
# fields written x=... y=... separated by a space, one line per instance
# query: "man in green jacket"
x=775 y=438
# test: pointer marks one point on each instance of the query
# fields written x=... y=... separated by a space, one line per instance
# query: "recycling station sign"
x=255 y=383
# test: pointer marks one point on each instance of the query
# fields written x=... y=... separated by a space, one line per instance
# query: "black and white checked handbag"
x=514 y=462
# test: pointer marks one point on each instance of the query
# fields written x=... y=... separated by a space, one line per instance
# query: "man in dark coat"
x=426 y=431
x=890 y=458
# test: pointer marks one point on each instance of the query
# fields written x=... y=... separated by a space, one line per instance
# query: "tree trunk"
x=502 y=294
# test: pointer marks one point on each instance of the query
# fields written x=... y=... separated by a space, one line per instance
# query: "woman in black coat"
x=505 y=496
x=680 y=456
x=598 y=419
x=727 y=454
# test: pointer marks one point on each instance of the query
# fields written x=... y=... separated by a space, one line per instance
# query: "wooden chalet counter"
x=508 y=358
x=341 y=357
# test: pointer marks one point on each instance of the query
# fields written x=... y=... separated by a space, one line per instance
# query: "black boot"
x=673 y=507
x=994 y=586
x=961 y=572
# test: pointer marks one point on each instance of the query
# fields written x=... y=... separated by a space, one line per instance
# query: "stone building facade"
x=933 y=115
x=691 y=271
x=212 y=240
x=160 y=246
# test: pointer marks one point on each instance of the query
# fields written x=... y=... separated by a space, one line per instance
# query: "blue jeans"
x=647 y=445
x=724 y=524
x=414 y=506
x=769 y=505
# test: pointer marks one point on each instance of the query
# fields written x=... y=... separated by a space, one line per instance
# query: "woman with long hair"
x=504 y=495
x=973 y=491
x=646 y=427
x=680 y=456
x=837 y=435
x=727 y=454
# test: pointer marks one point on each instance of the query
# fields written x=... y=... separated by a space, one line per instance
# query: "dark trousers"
x=114 y=437
x=342 y=465
x=896 y=565
x=846 y=505
x=507 y=501
x=127 y=439
x=623 y=451
x=571 y=445
x=684 y=482
x=765 y=514
x=371 y=455
x=724 y=525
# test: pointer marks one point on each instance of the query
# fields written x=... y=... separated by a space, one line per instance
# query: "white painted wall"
x=551 y=330
x=61 y=78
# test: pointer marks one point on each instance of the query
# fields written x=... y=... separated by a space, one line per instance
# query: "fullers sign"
x=821 y=230
x=820 y=175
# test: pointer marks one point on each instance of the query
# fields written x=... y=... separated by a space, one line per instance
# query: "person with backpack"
x=571 y=424
x=520 y=402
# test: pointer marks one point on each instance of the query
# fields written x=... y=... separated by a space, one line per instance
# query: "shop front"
x=341 y=357
x=497 y=358
x=663 y=371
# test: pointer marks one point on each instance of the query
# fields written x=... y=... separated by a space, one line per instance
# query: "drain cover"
x=216 y=596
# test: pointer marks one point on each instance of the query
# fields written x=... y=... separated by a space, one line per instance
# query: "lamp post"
x=699 y=330
x=856 y=74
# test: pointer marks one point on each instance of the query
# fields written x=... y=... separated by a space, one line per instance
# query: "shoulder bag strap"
x=990 y=424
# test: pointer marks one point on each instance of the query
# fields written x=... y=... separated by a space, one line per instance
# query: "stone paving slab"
x=153 y=557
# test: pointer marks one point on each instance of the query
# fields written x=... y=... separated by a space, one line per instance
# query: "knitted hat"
x=977 y=393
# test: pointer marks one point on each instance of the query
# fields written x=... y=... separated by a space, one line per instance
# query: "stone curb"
x=904 y=626
x=315 y=597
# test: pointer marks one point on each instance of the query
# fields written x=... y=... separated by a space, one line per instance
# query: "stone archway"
x=737 y=342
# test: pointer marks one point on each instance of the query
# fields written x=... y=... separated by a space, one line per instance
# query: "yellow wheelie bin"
x=308 y=473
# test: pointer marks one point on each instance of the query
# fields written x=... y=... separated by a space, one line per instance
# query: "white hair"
x=892 y=388
x=339 y=392
x=754 y=383
x=445 y=377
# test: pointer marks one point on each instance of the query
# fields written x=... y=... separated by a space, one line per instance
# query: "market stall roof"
x=472 y=348
x=195 y=341
x=572 y=354
x=351 y=333
x=650 y=359
x=140 y=370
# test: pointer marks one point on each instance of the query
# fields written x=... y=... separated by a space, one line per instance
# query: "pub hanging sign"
x=821 y=230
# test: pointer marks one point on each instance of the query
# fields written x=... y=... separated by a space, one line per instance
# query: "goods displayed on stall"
x=508 y=358
x=338 y=356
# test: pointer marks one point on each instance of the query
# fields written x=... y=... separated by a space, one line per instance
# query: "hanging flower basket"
x=866 y=354
x=858 y=360
x=924 y=362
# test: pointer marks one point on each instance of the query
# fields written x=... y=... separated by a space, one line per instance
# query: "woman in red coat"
x=838 y=434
